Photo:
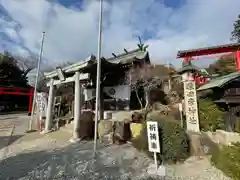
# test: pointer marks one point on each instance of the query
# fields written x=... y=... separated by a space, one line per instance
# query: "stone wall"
x=223 y=137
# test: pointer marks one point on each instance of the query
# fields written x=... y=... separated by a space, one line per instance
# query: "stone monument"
x=190 y=97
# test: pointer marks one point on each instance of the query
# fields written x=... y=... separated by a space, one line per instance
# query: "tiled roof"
x=220 y=81
x=124 y=58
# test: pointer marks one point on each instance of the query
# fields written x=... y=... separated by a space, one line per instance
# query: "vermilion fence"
x=21 y=92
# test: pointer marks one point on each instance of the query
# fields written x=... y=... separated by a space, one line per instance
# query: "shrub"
x=173 y=139
x=210 y=116
x=227 y=160
x=237 y=129
x=174 y=113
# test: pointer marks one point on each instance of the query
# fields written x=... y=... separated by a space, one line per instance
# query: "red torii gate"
x=231 y=49
x=21 y=92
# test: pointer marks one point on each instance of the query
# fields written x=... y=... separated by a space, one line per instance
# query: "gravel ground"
x=48 y=159
x=51 y=157
x=53 y=161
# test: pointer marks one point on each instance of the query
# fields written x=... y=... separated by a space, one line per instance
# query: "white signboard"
x=191 y=107
x=153 y=137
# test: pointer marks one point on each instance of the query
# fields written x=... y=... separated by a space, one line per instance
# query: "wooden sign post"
x=153 y=139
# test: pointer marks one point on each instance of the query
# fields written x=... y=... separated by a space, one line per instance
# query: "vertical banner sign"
x=41 y=101
x=191 y=107
x=153 y=137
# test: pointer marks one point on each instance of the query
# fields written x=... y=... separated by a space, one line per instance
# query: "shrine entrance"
x=115 y=93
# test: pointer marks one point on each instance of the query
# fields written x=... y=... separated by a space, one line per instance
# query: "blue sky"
x=71 y=27
x=69 y=3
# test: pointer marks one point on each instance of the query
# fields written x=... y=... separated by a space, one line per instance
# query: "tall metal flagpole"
x=97 y=105
x=36 y=83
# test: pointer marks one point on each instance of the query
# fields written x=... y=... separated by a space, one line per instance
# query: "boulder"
x=106 y=131
x=111 y=132
x=122 y=132
x=86 y=127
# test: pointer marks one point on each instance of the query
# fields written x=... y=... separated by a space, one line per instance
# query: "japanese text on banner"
x=153 y=137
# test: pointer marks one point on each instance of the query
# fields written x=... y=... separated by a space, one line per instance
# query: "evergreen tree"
x=236 y=30
x=11 y=75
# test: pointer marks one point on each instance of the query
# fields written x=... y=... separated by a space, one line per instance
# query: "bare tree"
x=142 y=77
x=64 y=88
x=26 y=64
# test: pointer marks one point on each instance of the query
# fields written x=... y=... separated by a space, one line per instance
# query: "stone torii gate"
x=66 y=75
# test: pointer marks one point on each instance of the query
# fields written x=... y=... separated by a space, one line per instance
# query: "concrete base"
x=160 y=171
x=45 y=131
x=30 y=130
x=74 y=140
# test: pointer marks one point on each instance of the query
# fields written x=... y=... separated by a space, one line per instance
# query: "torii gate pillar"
x=238 y=60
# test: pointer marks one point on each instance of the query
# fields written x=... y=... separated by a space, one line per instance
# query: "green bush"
x=227 y=159
x=174 y=113
x=237 y=129
x=210 y=116
x=173 y=139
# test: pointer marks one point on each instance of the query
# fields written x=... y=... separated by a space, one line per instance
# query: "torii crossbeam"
x=233 y=48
